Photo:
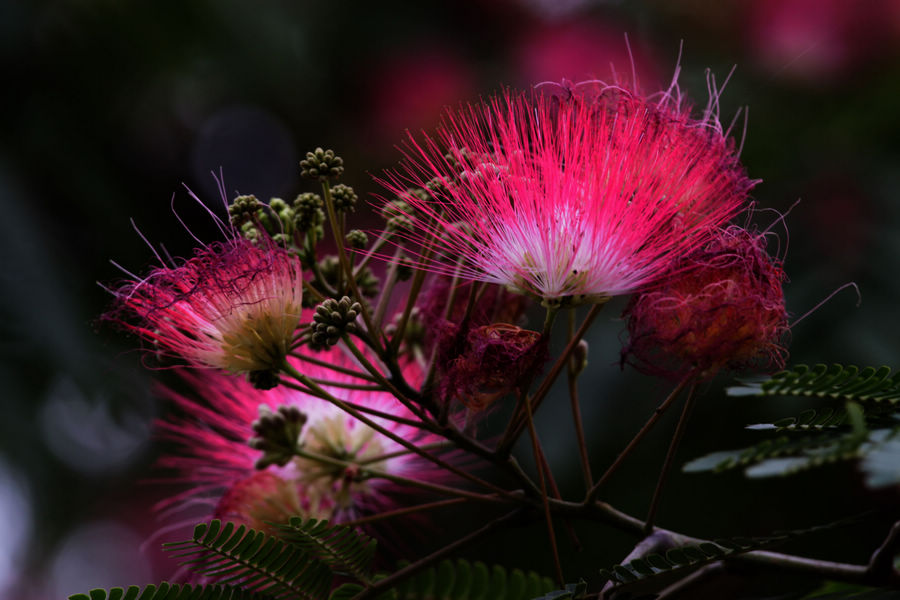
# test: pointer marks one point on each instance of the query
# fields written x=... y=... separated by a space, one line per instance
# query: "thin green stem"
x=377 y=474
x=365 y=387
x=390 y=434
x=364 y=409
x=516 y=425
x=381 y=457
x=405 y=511
x=342 y=258
x=392 y=580
x=576 y=413
x=387 y=289
x=382 y=240
x=333 y=367
x=538 y=453
x=418 y=280
x=384 y=381
x=670 y=456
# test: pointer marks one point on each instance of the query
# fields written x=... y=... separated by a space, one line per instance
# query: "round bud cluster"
x=242 y=209
x=277 y=434
x=322 y=165
x=357 y=238
x=332 y=319
x=344 y=198
x=308 y=212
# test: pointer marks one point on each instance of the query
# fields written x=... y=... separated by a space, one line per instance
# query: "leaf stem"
x=413 y=568
x=390 y=434
x=516 y=426
x=593 y=492
x=346 y=267
x=536 y=448
x=670 y=456
x=576 y=413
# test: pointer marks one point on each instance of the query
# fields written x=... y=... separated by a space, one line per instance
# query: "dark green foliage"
x=864 y=426
x=870 y=384
x=340 y=547
x=172 y=591
x=254 y=560
x=462 y=580
x=572 y=591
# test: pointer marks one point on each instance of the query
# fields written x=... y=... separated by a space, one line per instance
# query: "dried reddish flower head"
x=572 y=196
x=233 y=306
x=722 y=306
x=496 y=359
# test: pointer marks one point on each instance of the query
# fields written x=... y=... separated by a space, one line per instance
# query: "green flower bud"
x=344 y=198
x=322 y=165
x=332 y=319
x=357 y=239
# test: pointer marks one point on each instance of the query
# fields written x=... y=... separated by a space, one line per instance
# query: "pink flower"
x=722 y=306
x=234 y=306
x=580 y=195
x=213 y=455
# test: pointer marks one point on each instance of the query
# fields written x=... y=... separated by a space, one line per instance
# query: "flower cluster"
x=233 y=306
x=566 y=195
x=570 y=197
x=327 y=478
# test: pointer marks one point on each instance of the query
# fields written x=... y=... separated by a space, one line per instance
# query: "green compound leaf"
x=462 y=580
x=869 y=384
x=172 y=591
x=255 y=561
x=572 y=591
x=340 y=547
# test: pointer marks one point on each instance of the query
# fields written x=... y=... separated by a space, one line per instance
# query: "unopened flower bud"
x=322 y=165
x=344 y=198
x=242 y=209
x=277 y=434
x=356 y=238
x=332 y=319
x=579 y=358
x=308 y=212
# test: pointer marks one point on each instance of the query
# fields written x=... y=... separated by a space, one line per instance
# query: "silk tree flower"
x=211 y=451
x=722 y=306
x=233 y=306
x=573 y=193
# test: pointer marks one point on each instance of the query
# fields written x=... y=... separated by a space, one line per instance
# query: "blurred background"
x=110 y=108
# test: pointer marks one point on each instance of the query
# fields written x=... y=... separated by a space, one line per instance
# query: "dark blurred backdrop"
x=108 y=107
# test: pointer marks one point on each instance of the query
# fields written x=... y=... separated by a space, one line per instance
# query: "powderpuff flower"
x=574 y=194
x=211 y=451
x=722 y=306
x=233 y=306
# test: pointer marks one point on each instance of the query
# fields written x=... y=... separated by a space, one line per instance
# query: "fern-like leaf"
x=572 y=591
x=172 y=591
x=253 y=560
x=869 y=384
x=463 y=580
x=341 y=547
x=828 y=418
